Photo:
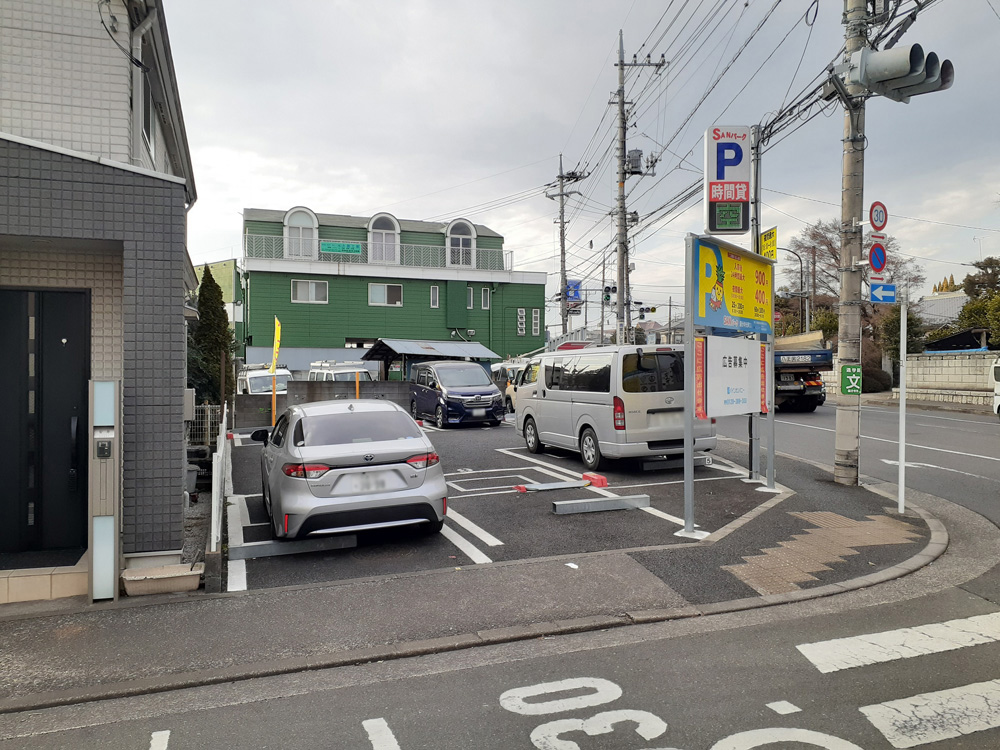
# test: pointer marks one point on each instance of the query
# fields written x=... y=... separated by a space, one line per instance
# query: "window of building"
x=435 y=297
x=390 y=295
x=314 y=292
x=383 y=241
x=301 y=232
x=486 y=298
x=536 y=322
x=461 y=245
x=470 y=298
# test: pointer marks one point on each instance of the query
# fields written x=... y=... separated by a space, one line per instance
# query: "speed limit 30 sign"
x=878 y=216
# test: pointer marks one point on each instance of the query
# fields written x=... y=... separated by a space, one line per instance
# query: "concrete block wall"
x=955 y=378
x=61 y=198
x=253 y=410
x=65 y=82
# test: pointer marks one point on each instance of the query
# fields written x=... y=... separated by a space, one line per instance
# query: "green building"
x=339 y=283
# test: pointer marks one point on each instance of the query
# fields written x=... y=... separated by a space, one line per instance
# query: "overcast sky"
x=439 y=109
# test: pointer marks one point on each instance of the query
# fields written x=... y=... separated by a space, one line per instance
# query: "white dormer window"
x=301 y=233
x=461 y=244
x=383 y=240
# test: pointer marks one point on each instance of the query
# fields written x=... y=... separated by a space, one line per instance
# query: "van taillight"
x=619 y=414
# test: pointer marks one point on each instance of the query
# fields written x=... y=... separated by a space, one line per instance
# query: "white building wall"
x=63 y=79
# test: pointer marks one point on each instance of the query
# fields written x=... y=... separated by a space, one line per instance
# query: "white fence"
x=221 y=481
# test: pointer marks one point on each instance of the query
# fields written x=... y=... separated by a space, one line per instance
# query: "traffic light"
x=900 y=72
x=608 y=291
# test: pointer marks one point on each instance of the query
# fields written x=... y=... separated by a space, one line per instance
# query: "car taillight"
x=423 y=460
x=619 y=414
x=305 y=471
x=444 y=506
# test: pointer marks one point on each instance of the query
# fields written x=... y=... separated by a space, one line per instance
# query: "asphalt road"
x=948 y=454
x=736 y=682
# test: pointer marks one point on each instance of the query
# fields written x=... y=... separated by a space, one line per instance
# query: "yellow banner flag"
x=277 y=345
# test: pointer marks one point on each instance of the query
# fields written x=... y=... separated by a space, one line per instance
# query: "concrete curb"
x=934 y=548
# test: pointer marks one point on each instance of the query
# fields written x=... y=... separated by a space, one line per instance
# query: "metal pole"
x=689 y=346
x=755 y=446
x=901 y=480
x=604 y=257
x=562 y=247
x=620 y=336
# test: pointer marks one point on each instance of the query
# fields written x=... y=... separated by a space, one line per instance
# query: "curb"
x=934 y=548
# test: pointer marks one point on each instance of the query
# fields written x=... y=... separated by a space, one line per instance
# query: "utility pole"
x=571 y=177
x=848 y=434
x=623 y=334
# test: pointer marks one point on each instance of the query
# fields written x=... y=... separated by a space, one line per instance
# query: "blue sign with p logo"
x=727 y=154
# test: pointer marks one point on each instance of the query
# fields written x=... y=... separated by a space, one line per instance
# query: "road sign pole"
x=901 y=481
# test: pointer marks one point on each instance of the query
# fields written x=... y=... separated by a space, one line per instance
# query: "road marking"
x=473 y=529
x=904 y=643
x=465 y=472
x=241 y=503
x=892 y=442
x=938 y=468
x=159 y=740
x=942 y=715
x=380 y=735
x=664 y=516
x=508 y=485
x=465 y=546
x=783 y=707
x=237 y=578
x=929 y=416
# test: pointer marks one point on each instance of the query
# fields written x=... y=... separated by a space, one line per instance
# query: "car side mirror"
x=260 y=436
x=432 y=383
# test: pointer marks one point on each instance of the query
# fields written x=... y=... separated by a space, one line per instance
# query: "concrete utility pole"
x=623 y=334
x=561 y=195
x=848 y=436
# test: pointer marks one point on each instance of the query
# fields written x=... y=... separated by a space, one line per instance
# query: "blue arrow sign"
x=884 y=293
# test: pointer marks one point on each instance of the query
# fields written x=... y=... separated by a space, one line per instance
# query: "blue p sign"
x=727 y=155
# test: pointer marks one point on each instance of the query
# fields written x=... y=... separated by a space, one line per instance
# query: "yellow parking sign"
x=769 y=243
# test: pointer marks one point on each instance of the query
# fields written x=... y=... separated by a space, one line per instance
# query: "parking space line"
x=524 y=480
x=473 y=529
x=664 y=516
x=465 y=546
x=486 y=471
x=509 y=491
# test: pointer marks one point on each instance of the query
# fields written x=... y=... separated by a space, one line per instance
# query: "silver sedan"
x=345 y=466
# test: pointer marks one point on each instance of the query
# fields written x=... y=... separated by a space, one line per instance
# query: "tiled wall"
x=99 y=271
x=64 y=81
x=49 y=195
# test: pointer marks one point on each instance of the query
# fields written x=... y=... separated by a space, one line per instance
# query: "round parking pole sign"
x=878 y=216
x=876 y=257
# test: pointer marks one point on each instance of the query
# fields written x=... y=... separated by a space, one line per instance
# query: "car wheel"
x=494 y=423
x=590 y=449
x=434 y=527
x=439 y=418
x=509 y=405
x=531 y=440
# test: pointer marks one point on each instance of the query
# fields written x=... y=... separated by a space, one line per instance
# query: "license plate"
x=365 y=483
x=479 y=412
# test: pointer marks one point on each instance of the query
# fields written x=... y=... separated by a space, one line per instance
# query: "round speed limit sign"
x=878 y=216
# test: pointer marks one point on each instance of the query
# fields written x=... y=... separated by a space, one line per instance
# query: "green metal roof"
x=361 y=222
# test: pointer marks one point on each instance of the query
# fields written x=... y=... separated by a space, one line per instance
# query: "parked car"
x=345 y=466
x=505 y=376
x=454 y=392
x=995 y=382
x=347 y=371
x=611 y=401
x=258 y=379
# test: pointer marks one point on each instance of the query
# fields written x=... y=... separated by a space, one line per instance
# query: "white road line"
x=942 y=715
x=485 y=471
x=893 y=442
x=508 y=491
x=783 y=707
x=929 y=416
x=473 y=528
x=457 y=484
x=938 y=468
x=237 y=578
x=463 y=544
x=380 y=735
x=159 y=740
x=904 y=643
x=664 y=516
x=241 y=503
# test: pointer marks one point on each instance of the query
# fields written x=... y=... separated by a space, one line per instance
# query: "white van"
x=995 y=378
x=256 y=379
x=609 y=401
x=346 y=372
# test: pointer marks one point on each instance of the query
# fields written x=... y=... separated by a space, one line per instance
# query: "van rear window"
x=653 y=373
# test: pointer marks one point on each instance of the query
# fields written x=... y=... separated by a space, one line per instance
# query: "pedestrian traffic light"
x=900 y=72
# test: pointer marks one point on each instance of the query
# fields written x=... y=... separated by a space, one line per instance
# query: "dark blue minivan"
x=453 y=392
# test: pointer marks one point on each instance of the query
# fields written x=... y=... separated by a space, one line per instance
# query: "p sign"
x=727 y=180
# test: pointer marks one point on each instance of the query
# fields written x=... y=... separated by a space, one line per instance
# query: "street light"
x=801 y=294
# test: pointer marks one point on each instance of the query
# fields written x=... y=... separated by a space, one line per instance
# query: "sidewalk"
x=815 y=539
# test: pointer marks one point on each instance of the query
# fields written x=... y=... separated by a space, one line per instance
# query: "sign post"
x=273 y=368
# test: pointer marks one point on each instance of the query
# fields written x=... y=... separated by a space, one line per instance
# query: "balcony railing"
x=269 y=247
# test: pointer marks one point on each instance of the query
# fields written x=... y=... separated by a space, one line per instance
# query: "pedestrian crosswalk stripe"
x=942 y=715
x=904 y=643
